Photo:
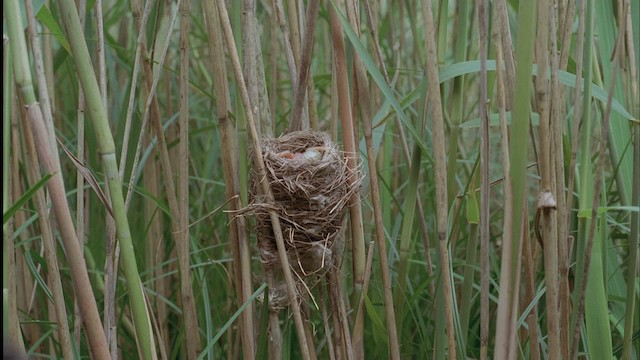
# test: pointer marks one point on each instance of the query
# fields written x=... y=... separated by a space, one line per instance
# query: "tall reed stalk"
x=442 y=208
x=55 y=186
x=106 y=148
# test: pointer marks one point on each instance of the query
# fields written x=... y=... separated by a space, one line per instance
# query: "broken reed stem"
x=305 y=348
x=440 y=157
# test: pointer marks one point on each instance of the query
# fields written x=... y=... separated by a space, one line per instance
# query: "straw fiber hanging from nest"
x=310 y=183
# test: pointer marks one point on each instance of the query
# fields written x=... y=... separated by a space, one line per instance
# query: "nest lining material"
x=310 y=182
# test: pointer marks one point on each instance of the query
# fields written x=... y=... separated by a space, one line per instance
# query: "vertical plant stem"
x=305 y=348
x=546 y=198
x=507 y=50
x=529 y=295
x=557 y=106
x=457 y=98
x=237 y=230
x=254 y=67
x=584 y=107
x=583 y=23
x=362 y=104
x=341 y=325
x=394 y=346
x=182 y=238
x=406 y=153
x=482 y=8
x=405 y=235
x=80 y=208
x=585 y=191
x=106 y=148
x=344 y=108
x=48 y=240
x=442 y=208
x=289 y=54
x=633 y=270
x=327 y=328
x=55 y=185
x=10 y=324
x=505 y=328
x=634 y=244
x=294 y=29
x=43 y=94
x=298 y=122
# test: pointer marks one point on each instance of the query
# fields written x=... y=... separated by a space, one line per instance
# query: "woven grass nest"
x=310 y=183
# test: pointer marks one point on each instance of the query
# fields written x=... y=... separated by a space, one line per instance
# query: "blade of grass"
x=231 y=320
x=596 y=307
x=8 y=214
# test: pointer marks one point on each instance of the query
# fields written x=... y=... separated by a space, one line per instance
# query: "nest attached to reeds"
x=310 y=182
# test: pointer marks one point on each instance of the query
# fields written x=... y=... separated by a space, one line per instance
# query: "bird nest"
x=311 y=186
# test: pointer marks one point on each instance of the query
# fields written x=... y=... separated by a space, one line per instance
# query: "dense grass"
x=498 y=217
